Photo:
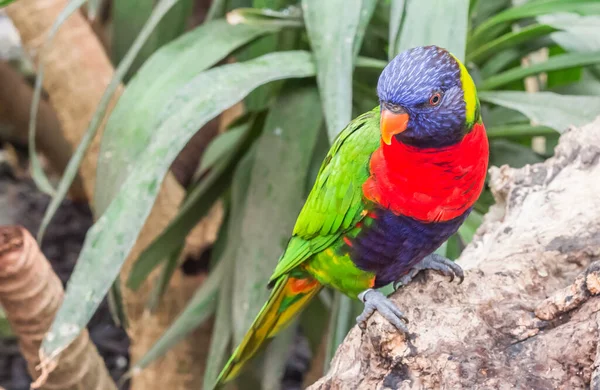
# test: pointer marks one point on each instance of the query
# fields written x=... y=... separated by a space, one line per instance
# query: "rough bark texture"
x=525 y=316
x=77 y=72
x=31 y=293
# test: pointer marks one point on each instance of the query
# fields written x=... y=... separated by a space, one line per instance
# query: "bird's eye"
x=435 y=99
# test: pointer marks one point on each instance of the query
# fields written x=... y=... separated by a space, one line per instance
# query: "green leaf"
x=560 y=77
x=72 y=167
x=453 y=247
x=485 y=201
x=164 y=278
x=473 y=5
x=199 y=309
x=196 y=205
x=128 y=19
x=366 y=62
x=500 y=116
x=37 y=172
x=111 y=238
x=515 y=155
x=442 y=249
x=332 y=27
x=579 y=33
x=93 y=6
x=222 y=331
x=313 y=320
x=4 y=3
x=500 y=61
x=547 y=108
x=130 y=125
x=531 y=9
x=435 y=22
x=366 y=14
x=509 y=40
x=233 y=4
x=217 y=10
x=276 y=357
x=221 y=336
x=220 y=147
x=589 y=85
x=223 y=327
x=481 y=10
x=563 y=61
x=289 y=17
x=397 y=12
x=276 y=183
x=518 y=130
x=260 y=98
x=340 y=323
x=115 y=305
x=469 y=227
x=319 y=154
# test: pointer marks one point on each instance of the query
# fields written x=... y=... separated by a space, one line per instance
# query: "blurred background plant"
x=301 y=70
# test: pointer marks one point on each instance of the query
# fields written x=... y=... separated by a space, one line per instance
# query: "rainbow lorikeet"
x=397 y=182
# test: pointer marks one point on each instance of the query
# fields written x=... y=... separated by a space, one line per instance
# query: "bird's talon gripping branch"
x=374 y=300
x=433 y=262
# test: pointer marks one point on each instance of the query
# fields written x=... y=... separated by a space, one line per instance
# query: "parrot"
x=397 y=182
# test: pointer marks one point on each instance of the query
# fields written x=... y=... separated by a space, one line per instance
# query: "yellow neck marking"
x=469 y=93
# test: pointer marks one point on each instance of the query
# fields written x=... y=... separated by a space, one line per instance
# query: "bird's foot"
x=374 y=300
x=434 y=262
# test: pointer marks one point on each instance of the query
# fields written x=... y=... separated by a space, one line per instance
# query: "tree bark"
x=31 y=293
x=525 y=317
x=77 y=71
x=15 y=106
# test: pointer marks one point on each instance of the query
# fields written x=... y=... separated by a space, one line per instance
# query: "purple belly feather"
x=391 y=245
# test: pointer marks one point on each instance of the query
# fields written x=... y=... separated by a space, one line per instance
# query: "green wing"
x=335 y=203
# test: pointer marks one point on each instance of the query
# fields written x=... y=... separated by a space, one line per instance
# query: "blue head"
x=427 y=98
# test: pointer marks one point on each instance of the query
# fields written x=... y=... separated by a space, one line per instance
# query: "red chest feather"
x=436 y=184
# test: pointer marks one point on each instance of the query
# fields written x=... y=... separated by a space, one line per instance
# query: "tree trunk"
x=525 y=316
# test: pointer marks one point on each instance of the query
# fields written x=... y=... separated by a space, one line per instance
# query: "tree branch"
x=525 y=316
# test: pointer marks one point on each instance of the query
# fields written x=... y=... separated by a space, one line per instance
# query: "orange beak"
x=391 y=124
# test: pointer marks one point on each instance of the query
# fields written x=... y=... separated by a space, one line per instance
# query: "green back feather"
x=335 y=203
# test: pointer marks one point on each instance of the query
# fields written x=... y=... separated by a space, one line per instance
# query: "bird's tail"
x=290 y=295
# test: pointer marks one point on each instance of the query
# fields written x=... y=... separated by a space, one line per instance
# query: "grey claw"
x=374 y=300
x=406 y=279
x=437 y=263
